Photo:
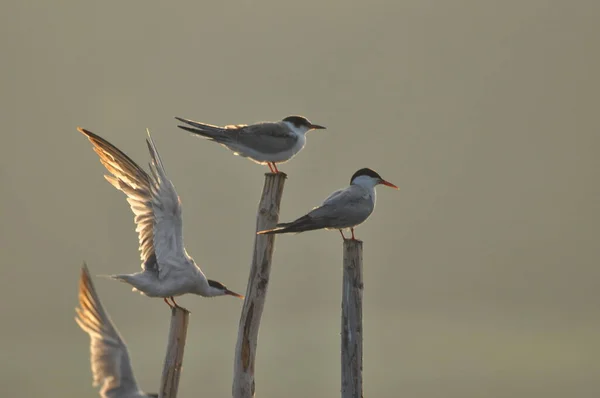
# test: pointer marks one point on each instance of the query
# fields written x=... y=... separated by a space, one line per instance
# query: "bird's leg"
x=342 y=232
x=276 y=169
x=270 y=167
x=352 y=229
x=174 y=303
x=167 y=301
x=177 y=305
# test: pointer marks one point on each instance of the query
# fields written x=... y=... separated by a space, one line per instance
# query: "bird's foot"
x=167 y=301
x=273 y=167
x=177 y=305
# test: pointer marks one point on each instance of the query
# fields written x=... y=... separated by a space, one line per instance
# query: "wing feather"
x=153 y=201
x=111 y=366
x=345 y=206
x=266 y=137
x=269 y=137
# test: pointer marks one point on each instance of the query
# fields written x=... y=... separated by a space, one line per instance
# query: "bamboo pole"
x=258 y=282
x=174 y=358
x=352 y=290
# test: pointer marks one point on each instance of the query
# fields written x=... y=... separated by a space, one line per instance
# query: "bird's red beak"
x=234 y=294
x=389 y=184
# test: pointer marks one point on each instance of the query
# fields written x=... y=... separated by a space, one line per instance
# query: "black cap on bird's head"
x=218 y=286
x=366 y=172
x=301 y=121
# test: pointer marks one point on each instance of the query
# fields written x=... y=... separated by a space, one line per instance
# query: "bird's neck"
x=202 y=287
x=365 y=182
x=299 y=131
x=367 y=185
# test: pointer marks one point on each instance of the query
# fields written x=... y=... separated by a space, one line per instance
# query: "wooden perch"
x=258 y=282
x=352 y=289
x=174 y=358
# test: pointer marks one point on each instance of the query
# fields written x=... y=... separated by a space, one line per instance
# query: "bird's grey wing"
x=347 y=205
x=264 y=137
x=166 y=205
x=332 y=198
x=111 y=366
x=153 y=200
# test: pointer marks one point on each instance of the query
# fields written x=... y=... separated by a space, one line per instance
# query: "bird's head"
x=218 y=289
x=301 y=124
x=369 y=178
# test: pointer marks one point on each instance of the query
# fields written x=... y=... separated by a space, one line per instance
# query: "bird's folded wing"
x=342 y=203
x=265 y=137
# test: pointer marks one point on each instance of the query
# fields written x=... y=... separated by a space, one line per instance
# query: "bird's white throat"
x=365 y=182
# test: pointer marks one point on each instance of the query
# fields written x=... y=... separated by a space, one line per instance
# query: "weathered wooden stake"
x=174 y=358
x=258 y=282
x=352 y=289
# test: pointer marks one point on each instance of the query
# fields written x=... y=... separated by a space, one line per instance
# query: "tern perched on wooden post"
x=345 y=208
x=264 y=143
x=167 y=270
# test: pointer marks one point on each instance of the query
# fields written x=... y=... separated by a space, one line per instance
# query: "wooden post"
x=352 y=289
x=174 y=358
x=256 y=292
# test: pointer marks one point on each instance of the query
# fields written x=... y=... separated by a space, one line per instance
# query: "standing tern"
x=167 y=269
x=345 y=208
x=264 y=143
x=111 y=365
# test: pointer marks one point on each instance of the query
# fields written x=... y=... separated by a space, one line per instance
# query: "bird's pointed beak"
x=389 y=184
x=234 y=294
x=317 y=127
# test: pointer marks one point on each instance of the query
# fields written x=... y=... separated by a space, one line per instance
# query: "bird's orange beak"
x=389 y=184
x=234 y=294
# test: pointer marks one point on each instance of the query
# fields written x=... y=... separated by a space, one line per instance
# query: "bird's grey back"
x=343 y=208
x=268 y=137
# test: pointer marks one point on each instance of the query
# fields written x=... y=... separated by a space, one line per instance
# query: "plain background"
x=481 y=274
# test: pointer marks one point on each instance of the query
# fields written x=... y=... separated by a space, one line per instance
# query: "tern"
x=264 y=143
x=345 y=208
x=167 y=269
x=111 y=366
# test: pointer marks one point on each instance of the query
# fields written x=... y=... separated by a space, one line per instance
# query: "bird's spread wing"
x=111 y=366
x=264 y=137
x=153 y=200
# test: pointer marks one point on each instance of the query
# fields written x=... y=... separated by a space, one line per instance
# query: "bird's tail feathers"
x=304 y=223
x=209 y=131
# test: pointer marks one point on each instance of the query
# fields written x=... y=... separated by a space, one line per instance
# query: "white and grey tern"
x=167 y=269
x=345 y=208
x=111 y=366
x=264 y=143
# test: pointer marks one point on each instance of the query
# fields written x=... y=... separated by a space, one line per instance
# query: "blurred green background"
x=481 y=273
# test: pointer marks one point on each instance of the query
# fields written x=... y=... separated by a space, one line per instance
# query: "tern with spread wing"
x=111 y=366
x=264 y=143
x=345 y=208
x=167 y=269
